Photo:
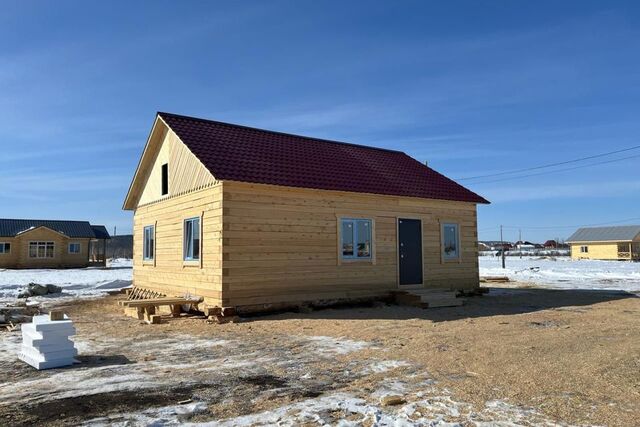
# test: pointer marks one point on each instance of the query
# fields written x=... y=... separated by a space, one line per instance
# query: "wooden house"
x=250 y=218
x=606 y=243
x=26 y=243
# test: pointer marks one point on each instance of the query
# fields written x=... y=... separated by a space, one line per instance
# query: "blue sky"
x=471 y=87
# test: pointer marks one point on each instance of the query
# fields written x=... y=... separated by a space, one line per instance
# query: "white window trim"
x=584 y=249
x=355 y=258
x=186 y=260
x=150 y=259
x=39 y=243
x=2 y=246
x=444 y=257
x=79 y=248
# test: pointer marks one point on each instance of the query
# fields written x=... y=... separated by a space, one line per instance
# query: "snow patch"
x=75 y=282
x=564 y=273
x=337 y=346
x=384 y=366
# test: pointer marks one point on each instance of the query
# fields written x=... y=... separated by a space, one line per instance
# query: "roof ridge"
x=45 y=220
x=330 y=141
x=609 y=226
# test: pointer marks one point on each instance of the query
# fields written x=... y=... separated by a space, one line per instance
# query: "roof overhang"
x=598 y=241
x=158 y=131
x=29 y=230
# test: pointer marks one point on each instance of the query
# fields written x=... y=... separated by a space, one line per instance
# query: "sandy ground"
x=515 y=356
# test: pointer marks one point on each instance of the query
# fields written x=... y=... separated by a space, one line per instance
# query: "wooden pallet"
x=428 y=298
x=494 y=279
x=141 y=304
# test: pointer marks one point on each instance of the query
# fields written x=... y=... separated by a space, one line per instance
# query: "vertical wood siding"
x=186 y=173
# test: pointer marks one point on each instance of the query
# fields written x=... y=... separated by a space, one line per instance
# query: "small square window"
x=5 y=248
x=356 y=238
x=74 y=248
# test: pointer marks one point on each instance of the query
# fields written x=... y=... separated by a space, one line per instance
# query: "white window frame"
x=445 y=256
x=75 y=244
x=45 y=245
x=584 y=249
x=149 y=246
x=3 y=248
x=354 y=222
x=190 y=246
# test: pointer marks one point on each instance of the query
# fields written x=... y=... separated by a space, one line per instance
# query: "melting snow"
x=75 y=282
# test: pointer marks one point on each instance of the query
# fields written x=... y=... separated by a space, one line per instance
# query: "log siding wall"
x=19 y=255
x=168 y=272
x=280 y=244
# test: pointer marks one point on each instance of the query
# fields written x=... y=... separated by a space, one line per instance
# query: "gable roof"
x=240 y=153
x=621 y=233
x=73 y=229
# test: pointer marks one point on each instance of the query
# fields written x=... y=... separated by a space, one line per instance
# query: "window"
x=5 y=248
x=450 y=241
x=41 y=249
x=74 y=248
x=192 y=239
x=584 y=249
x=165 y=179
x=148 y=242
x=356 y=238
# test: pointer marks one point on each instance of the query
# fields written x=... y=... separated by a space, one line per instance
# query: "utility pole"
x=114 y=230
x=502 y=244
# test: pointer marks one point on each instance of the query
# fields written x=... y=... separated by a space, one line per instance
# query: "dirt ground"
x=522 y=356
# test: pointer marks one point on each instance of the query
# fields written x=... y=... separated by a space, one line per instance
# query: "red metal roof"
x=240 y=153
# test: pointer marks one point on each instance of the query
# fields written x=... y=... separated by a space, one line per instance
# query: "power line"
x=550 y=165
x=556 y=171
x=561 y=226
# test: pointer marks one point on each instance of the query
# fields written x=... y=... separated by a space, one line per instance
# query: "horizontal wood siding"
x=280 y=244
x=19 y=255
x=10 y=260
x=605 y=251
x=168 y=273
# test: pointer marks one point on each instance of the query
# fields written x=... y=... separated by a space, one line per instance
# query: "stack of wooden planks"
x=494 y=279
x=142 y=304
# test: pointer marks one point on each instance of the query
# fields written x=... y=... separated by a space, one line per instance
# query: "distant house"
x=607 y=243
x=496 y=245
x=26 y=243
x=524 y=245
x=550 y=244
x=247 y=218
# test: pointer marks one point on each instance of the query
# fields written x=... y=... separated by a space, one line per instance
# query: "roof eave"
x=128 y=204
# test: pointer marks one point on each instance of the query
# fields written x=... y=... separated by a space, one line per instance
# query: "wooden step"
x=428 y=298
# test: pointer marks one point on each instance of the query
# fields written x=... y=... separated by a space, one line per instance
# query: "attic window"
x=165 y=179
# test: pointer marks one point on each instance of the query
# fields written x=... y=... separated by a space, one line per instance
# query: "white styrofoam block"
x=48 y=347
x=38 y=364
x=46 y=343
x=43 y=345
x=67 y=353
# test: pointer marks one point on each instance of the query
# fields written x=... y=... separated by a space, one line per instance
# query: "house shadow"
x=94 y=361
x=497 y=302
